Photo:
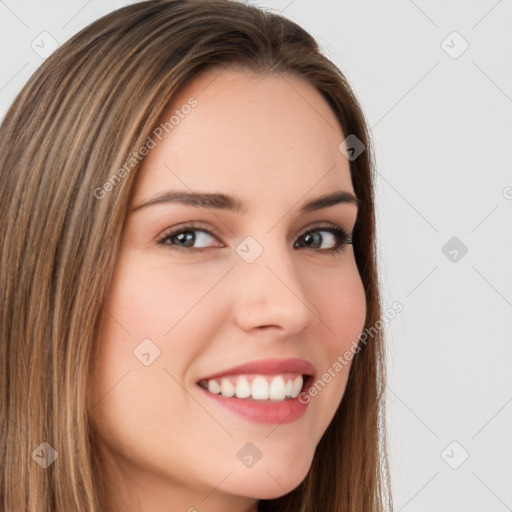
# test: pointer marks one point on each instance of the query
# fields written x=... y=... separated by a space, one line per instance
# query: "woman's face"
x=199 y=291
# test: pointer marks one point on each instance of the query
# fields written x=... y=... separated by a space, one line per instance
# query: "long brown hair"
x=77 y=121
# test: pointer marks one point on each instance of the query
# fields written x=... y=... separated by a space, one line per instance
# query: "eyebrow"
x=227 y=202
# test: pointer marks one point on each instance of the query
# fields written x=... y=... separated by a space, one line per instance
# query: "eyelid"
x=326 y=225
x=184 y=225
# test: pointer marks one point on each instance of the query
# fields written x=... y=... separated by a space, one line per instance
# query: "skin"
x=273 y=142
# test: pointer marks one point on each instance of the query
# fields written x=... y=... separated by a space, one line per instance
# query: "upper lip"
x=267 y=367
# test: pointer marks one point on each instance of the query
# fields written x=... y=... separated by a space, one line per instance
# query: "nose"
x=270 y=294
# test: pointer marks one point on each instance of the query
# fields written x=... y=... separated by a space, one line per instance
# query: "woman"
x=188 y=273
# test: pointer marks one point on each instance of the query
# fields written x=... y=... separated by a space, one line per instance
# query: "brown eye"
x=333 y=236
x=189 y=238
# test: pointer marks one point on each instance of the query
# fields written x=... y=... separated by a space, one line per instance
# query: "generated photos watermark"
x=136 y=157
x=344 y=359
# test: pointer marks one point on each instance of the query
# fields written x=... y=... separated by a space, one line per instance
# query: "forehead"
x=255 y=135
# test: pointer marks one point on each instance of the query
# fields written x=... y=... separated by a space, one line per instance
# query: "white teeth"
x=243 y=388
x=297 y=386
x=214 y=387
x=277 y=388
x=226 y=388
x=260 y=389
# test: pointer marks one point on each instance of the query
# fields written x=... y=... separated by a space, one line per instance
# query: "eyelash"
x=342 y=237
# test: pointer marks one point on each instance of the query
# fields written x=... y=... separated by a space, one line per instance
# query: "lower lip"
x=276 y=413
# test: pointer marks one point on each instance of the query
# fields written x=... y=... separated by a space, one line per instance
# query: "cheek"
x=127 y=399
x=149 y=302
x=164 y=305
x=341 y=305
x=147 y=315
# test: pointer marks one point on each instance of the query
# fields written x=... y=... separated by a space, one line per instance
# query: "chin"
x=273 y=479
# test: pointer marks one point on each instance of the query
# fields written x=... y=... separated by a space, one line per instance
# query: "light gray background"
x=442 y=129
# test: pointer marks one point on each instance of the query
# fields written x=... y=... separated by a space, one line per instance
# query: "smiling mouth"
x=262 y=388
